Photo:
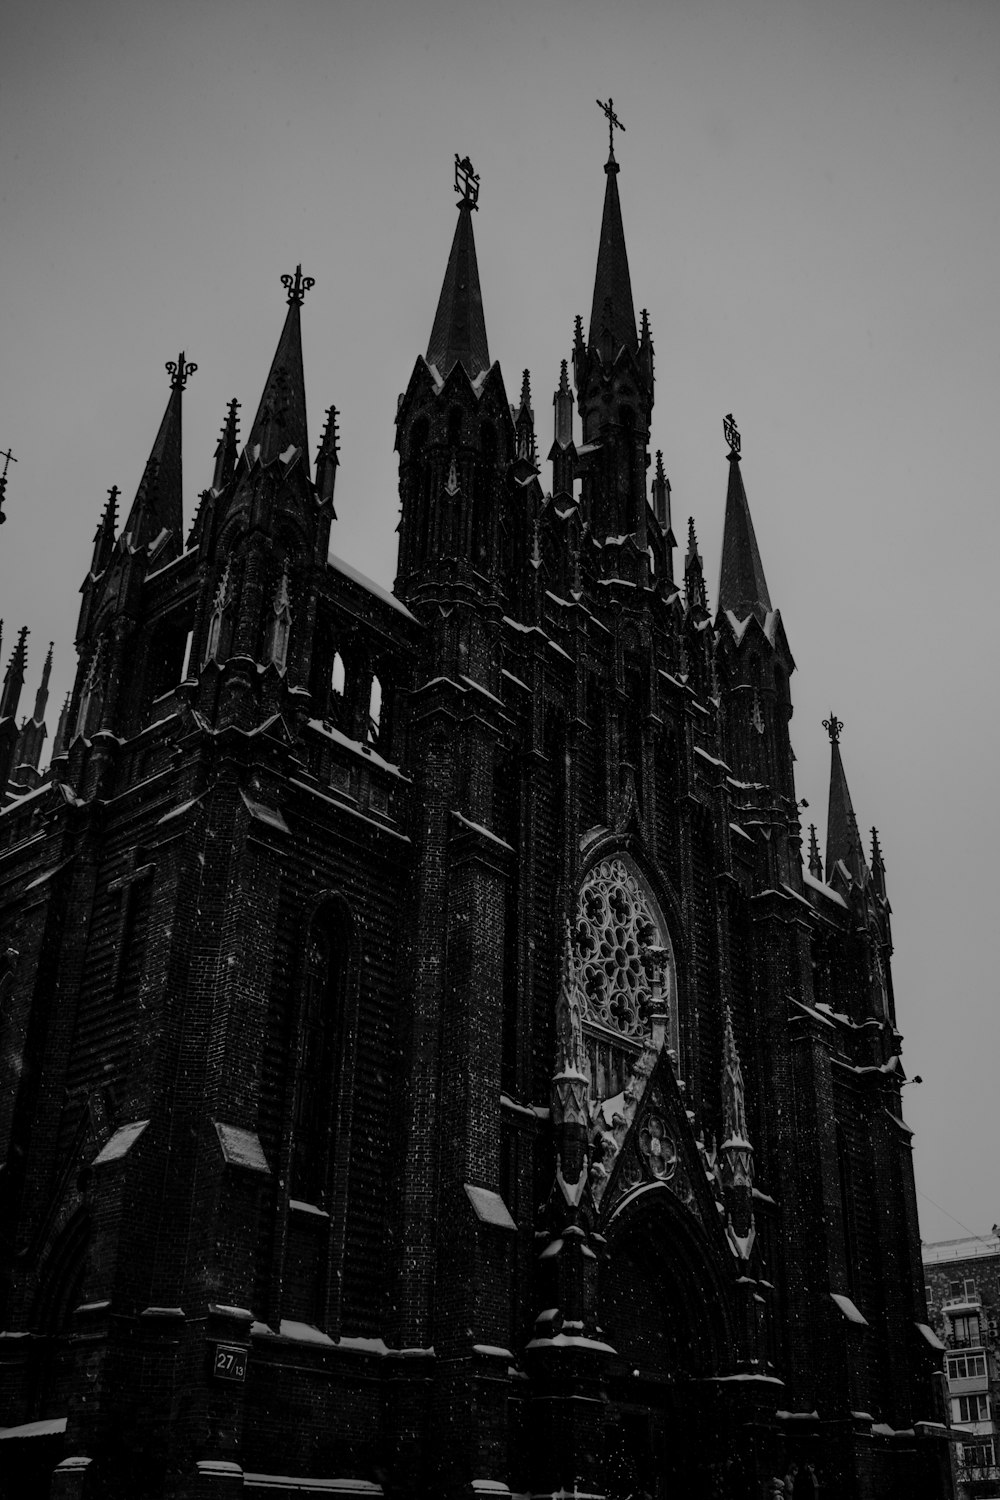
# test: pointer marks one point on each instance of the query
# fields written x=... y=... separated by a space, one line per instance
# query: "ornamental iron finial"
x=179 y=371
x=833 y=726
x=8 y=458
x=296 y=286
x=466 y=181
x=613 y=122
x=732 y=435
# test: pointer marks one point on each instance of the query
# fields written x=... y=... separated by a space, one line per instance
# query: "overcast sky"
x=811 y=201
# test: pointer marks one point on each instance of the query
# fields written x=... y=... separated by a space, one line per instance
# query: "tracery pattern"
x=621 y=948
x=615 y=930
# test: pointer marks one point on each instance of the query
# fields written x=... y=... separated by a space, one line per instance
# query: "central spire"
x=280 y=422
x=613 y=307
x=459 y=332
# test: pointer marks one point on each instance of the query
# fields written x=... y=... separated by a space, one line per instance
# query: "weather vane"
x=613 y=122
x=833 y=726
x=466 y=181
x=732 y=434
x=179 y=371
x=296 y=286
x=8 y=459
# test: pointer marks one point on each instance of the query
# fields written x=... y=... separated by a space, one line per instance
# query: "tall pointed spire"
x=31 y=740
x=59 y=744
x=877 y=865
x=524 y=422
x=613 y=308
x=459 y=331
x=42 y=696
x=280 y=422
x=815 y=862
x=742 y=586
x=158 y=503
x=843 y=842
x=328 y=457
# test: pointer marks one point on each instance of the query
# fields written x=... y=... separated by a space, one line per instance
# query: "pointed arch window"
x=92 y=697
x=626 y=972
x=281 y=624
x=318 y=1065
x=374 y=727
x=220 y=620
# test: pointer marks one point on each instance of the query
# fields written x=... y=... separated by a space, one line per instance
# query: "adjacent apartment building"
x=962 y=1282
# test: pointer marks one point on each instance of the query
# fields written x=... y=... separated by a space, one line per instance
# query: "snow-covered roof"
x=241 y=1147
x=120 y=1143
x=369 y=584
x=489 y=1207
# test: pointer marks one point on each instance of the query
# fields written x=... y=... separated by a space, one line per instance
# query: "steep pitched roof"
x=280 y=422
x=158 y=504
x=843 y=841
x=459 y=331
x=742 y=586
x=613 y=306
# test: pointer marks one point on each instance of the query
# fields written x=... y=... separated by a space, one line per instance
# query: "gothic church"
x=428 y=1065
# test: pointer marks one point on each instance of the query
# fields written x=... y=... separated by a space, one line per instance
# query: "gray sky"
x=810 y=195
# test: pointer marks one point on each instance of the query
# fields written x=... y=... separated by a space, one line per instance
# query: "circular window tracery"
x=623 y=951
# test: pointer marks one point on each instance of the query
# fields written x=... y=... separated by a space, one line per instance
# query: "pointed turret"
x=328 y=457
x=524 y=422
x=459 y=331
x=14 y=676
x=60 y=743
x=613 y=311
x=158 y=506
x=742 y=587
x=661 y=501
x=562 y=454
x=280 y=423
x=227 y=448
x=815 y=862
x=877 y=866
x=30 y=741
x=104 y=537
x=694 y=573
x=843 y=842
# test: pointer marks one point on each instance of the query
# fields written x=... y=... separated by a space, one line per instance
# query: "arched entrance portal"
x=666 y=1308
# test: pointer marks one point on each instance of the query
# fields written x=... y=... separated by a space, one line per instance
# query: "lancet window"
x=220 y=621
x=92 y=697
x=626 y=971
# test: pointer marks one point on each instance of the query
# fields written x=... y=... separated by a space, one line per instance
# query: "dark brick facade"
x=428 y=1069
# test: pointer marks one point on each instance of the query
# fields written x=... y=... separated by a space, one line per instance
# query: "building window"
x=965 y=1331
x=977 y=1456
x=966 y=1366
x=374 y=712
x=220 y=623
x=974 y=1408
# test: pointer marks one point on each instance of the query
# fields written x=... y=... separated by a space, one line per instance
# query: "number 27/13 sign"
x=230 y=1362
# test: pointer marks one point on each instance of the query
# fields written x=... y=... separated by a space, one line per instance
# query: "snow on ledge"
x=241 y=1148
x=928 y=1333
x=370 y=586
x=823 y=890
x=299 y=1485
x=120 y=1143
x=302 y=1333
x=49 y=1428
x=489 y=1207
x=849 y=1310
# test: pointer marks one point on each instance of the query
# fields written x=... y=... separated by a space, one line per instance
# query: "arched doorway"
x=665 y=1306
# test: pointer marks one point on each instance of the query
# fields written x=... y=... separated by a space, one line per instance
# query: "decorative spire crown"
x=8 y=458
x=179 y=370
x=742 y=585
x=296 y=286
x=459 y=332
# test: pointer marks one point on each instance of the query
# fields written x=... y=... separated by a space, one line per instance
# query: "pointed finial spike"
x=692 y=538
x=660 y=475
x=833 y=726
x=526 y=388
x=563 y=378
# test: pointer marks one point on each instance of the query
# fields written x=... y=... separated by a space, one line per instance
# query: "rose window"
x=622 y=949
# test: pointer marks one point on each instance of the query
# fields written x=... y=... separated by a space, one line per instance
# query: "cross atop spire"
x=466 y=182
x=8 y=458
x=613 y=124
x=297 y=286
